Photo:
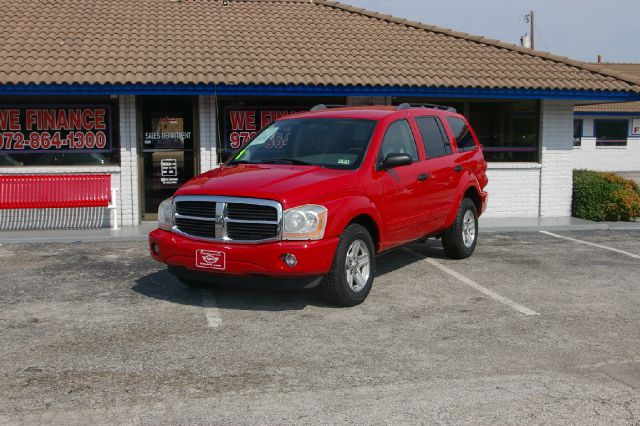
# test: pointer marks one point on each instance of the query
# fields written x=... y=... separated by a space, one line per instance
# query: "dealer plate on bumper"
x=210 y=259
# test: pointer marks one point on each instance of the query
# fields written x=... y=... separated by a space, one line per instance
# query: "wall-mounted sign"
x=55 y=128
x=635 y=127
x=242 y=123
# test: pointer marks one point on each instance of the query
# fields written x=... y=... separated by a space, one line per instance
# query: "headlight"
x=305 y=223
x=166 y=218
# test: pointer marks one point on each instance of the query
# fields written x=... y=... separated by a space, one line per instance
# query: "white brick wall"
x=208 y=132
x=606 y=158
x=514 y=190
x=557 y=154
x=129 y=208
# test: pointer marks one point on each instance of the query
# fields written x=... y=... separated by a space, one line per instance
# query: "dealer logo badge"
x=209 y=259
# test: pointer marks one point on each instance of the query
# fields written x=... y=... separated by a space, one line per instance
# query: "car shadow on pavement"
x=162 y=285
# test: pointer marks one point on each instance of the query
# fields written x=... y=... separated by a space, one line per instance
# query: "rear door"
x=442 y=183
x=403 y=205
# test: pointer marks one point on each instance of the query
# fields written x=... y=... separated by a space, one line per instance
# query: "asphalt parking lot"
x=534 y=329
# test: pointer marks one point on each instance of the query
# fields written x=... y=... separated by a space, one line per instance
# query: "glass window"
x=577 y=132
x=460 y=130
x=399 y=140
x=508 y=131
x=337 y=143
x=434 y=137
x=39 y=133
x=611 y=132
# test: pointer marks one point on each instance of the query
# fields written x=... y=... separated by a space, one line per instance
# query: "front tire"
x=460 y=240
x=351 y=276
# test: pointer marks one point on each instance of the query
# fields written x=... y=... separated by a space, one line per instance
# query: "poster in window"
x=635 y=127
x=167 y=132
x=242 y=122
x=52 y=129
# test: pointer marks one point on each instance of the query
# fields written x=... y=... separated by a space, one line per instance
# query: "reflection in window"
x=611 y=132
x=577 y=132
x=507 y=130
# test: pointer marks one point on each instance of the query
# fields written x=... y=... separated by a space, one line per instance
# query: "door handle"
x=423 y=176
x=458 y=168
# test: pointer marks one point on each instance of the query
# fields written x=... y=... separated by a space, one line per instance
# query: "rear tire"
x=460 y=240
x=354 y=263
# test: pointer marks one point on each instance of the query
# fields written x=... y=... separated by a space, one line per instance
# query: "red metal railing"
x=54 y=191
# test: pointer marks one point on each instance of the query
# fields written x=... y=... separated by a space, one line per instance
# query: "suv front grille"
x=228 y=218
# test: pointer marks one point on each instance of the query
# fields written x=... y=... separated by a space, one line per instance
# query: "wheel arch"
x=371 y=225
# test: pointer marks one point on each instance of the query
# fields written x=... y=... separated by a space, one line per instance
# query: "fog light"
x=290 y=260
x=155 y=249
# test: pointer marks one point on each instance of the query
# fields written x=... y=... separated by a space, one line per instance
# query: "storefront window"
x=52 y=133
x=507 y=130
x=611 y=132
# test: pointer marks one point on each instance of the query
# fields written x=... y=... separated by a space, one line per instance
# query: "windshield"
x=336 y=143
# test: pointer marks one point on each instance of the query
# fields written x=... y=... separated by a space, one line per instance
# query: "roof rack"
x=405 y=105
x=322 y=107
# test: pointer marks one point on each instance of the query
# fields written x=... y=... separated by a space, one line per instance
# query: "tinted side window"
x=399 y=140
x=434 y=138
x=462 y=134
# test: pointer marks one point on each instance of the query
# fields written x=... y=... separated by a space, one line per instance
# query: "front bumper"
x=266 y=259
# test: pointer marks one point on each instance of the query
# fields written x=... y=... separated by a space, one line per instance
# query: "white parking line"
x=495 y=296
x=626 y=253
x=211 y=310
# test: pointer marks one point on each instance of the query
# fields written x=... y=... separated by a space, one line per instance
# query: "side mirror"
x=395 y=160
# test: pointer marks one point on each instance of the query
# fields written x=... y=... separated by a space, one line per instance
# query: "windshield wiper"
x=287 y=161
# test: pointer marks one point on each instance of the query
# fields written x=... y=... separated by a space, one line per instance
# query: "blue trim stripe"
x=304 y=90
x=609 y=114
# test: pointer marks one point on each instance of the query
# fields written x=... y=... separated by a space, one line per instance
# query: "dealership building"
x=154 y=92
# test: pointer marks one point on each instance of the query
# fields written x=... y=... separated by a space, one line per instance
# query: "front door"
x=167 y=149
x=404 y=203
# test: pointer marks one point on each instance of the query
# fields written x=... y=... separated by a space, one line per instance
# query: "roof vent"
x=319 y=107
x=403 y=106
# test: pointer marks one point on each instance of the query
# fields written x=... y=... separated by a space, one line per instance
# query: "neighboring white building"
x=210 y=75
x=607 y=136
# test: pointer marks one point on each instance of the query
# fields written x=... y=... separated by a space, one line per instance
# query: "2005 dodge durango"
x=314 y=197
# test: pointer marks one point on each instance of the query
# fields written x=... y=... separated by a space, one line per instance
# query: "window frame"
x=605 y=143
x=443 y=133
x=577 y=142
x=379 y=159
x=468 y=126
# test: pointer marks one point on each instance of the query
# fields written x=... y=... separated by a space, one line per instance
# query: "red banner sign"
x=242 y=123
x=55 y=128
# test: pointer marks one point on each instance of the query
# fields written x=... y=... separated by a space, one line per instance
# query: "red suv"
x=314 y=197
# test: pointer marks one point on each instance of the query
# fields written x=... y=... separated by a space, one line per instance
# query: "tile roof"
x=630 y=69
x=307 y=42
x=622 y=107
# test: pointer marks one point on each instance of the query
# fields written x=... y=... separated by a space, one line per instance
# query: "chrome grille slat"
x=228 y=219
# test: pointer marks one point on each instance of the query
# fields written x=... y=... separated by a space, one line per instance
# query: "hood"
x=284 y=183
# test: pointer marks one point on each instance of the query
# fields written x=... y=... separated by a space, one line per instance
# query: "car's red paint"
x=393 y=202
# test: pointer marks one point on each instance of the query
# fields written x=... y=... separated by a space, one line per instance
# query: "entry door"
x=167 y=145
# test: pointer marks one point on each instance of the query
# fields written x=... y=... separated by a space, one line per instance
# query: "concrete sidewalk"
x=139 y=233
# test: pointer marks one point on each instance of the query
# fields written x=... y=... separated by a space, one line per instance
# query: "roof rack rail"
x=405 y=105
x=322 y=107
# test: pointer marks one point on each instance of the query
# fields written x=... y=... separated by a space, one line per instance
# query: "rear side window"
x=399 y=140
x=434 y=138
x=462 y=134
